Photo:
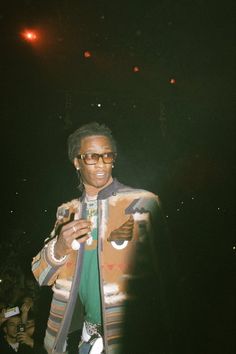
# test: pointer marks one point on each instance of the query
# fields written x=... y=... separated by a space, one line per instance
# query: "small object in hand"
x=12 y=312
x=21 y=328
x=75 y=245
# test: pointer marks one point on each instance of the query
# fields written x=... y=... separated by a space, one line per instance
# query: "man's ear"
x=76 y=163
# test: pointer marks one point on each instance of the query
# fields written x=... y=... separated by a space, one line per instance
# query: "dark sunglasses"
x=91 y=158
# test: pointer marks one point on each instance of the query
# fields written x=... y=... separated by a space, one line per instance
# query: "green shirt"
x=89 y=289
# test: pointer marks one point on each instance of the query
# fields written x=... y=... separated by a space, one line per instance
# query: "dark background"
x=175 y=139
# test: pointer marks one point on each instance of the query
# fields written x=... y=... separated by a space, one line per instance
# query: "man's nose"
x=100 y=161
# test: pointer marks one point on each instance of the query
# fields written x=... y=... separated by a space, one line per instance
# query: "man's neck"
x=92 y=191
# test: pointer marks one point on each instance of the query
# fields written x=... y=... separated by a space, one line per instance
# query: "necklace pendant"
x=89 y=241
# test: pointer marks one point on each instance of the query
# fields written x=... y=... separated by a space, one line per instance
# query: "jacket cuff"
x=50 y=255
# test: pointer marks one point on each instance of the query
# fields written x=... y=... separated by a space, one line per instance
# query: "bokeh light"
x=87 y=54
x=172 y=81
x=136 y=69
x=30 y=35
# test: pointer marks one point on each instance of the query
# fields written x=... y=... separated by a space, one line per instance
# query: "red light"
x=30 y=36
x=87 y=54
x=136 y=69
x=172 y=81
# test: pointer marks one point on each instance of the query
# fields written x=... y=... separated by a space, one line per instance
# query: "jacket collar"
x=108 y=191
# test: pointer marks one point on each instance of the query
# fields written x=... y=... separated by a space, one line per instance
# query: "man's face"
x=98 y=175
x=11 y=326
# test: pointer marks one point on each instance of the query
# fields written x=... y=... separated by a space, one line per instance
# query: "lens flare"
x=30 y=35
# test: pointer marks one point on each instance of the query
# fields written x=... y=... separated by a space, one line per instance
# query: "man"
x=99 y=257
x=15 y=340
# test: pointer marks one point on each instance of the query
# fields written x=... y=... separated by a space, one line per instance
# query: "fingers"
x=21 y=336
x=25 y=307
x=78 y=224
x=77 y=229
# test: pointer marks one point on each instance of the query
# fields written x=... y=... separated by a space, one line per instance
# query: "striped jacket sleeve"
x=44 y=267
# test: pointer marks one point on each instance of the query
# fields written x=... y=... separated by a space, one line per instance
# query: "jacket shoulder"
x=142 y=193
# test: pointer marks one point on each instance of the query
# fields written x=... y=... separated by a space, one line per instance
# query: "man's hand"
x=26 y=307
x=24 y=338
x=77 y=229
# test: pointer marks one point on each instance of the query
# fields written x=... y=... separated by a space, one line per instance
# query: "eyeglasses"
x=91 y=158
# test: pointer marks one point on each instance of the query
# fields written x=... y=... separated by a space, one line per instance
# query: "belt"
x=92 y=334
x=93 y=328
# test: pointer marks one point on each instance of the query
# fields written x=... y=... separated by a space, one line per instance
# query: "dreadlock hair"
x=90 y=129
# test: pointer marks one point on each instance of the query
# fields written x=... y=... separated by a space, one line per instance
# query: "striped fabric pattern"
x=114 y=319
x=125 y=209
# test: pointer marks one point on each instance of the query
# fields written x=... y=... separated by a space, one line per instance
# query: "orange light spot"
x=172 y=81
x=30 y=36
x=136 y=69
x=87 y=54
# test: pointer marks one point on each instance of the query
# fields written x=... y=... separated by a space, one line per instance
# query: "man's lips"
x=100 y=174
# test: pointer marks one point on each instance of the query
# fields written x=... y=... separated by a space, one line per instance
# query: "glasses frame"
x=83 y=157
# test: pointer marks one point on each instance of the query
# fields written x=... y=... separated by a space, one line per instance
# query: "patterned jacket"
x=125 y=247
